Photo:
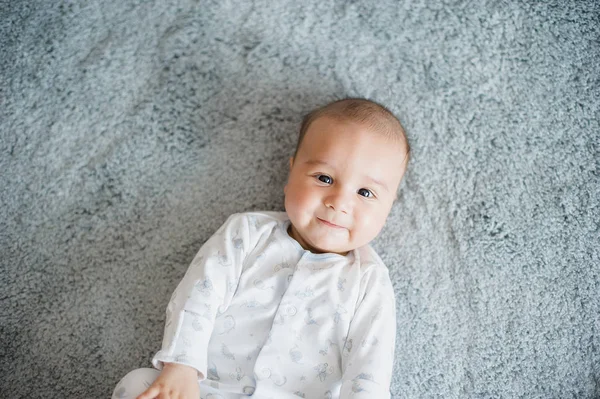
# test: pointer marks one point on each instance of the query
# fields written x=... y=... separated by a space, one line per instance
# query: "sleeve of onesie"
x=205 y=290
x=368 y=355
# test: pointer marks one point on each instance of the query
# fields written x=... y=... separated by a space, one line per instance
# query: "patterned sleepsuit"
x=257 y=315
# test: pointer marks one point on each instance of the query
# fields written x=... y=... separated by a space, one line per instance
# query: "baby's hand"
x=176 y=381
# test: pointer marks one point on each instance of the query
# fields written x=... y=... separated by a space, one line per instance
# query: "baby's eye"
x=325 y=179
x=365 y=193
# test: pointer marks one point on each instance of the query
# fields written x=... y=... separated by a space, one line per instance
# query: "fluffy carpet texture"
x=130 y=130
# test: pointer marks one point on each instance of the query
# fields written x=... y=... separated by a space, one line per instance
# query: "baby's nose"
x=338 y=201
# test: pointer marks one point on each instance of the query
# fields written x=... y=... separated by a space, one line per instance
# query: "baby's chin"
x=317 y=246
x=323 y=240
x=327 y=246
x=331 y=250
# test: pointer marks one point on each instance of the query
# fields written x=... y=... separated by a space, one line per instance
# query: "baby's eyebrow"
x=317 y=162
x=378 y=182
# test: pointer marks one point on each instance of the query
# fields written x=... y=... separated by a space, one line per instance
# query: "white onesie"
x=257 y=315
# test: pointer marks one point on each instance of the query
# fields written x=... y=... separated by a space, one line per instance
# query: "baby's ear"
x=291 y=162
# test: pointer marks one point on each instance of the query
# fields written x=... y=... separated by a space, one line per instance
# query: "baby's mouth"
x=329 y=224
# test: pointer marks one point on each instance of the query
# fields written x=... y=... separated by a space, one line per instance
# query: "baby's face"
x=342 y=185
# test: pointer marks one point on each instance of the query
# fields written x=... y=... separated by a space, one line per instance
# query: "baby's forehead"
x=390 y=132
x=371 y=148
x=376 y=124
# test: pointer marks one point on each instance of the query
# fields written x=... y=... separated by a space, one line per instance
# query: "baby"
x=296 y=303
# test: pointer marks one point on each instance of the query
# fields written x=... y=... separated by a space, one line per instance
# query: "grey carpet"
x=129 y=131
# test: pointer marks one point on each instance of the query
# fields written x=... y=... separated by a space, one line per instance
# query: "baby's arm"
x=368 y=356
x=206 y=288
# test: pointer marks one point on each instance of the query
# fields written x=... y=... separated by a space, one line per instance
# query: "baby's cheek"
x=293 y=208
x=371 y=226
x=301 y=202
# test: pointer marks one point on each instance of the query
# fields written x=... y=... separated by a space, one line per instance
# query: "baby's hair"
x=359 y=110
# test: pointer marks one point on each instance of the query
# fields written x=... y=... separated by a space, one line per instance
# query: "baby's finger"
x=149 y=393
x=165 y=395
